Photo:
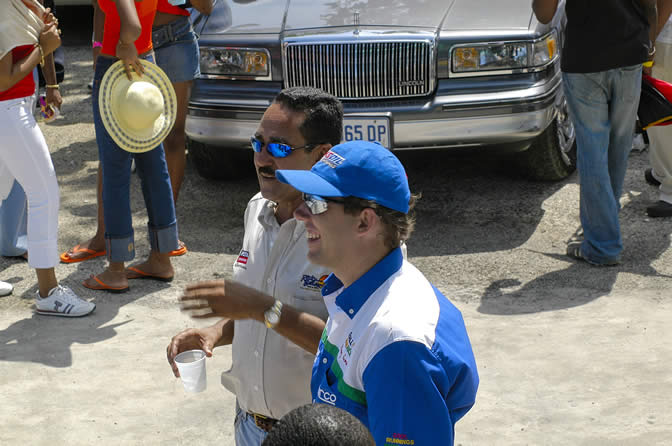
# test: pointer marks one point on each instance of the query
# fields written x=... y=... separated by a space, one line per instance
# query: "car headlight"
x=500 y=56
x=235 y=62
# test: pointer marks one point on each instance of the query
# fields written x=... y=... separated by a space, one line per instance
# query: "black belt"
x=262 y=422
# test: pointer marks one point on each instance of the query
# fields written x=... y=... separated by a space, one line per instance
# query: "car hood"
x=275 y=16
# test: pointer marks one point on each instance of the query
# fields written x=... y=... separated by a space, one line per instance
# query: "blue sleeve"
x=406 y=391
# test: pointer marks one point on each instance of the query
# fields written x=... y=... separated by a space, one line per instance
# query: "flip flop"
x=182 y=250
x=92 y=254
x=139 y=274
x=102 y=286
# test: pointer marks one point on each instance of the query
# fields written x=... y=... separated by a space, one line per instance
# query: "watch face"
x=273 y=318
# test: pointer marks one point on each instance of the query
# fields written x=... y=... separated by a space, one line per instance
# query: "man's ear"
x=368 y=221
x=319 y=151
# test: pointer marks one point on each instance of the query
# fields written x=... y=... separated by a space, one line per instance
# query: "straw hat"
x=137 y=114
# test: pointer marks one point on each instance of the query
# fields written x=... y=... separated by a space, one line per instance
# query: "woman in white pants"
x=660 y=138
x=28 y=34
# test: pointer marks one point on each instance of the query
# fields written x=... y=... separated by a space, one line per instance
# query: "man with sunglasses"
x=272 y=311
x=395 y=352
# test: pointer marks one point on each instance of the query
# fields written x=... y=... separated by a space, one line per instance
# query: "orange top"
x=166 y=7
x=24 y=87
x=146 y=11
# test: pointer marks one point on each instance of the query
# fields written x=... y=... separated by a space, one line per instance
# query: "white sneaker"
x=6 y=288
x=62 y=301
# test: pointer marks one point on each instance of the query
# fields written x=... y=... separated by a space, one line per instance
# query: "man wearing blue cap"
x=395 y=352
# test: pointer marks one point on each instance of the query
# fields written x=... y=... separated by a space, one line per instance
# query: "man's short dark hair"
x=397 y=225
x=319 y=425
x=323 y=111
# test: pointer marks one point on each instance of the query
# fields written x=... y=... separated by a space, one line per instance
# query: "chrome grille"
x=361 y=70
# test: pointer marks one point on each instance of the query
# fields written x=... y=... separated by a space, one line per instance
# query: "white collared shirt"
x=270 y=375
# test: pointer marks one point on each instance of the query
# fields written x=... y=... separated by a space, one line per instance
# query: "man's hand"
x=225 y=298
x=190 y=339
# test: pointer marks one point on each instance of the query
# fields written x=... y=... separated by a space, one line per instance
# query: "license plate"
x=367 y=129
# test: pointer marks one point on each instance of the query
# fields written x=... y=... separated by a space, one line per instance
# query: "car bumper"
x=446 y=120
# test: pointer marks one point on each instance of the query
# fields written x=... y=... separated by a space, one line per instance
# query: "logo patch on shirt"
x=243 y=257
x=349 y=343
x=332 y=159
x=326 y=397
x=312 y=283
x=398 y=439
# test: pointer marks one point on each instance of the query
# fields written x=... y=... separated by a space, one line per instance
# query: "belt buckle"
x=262 y=421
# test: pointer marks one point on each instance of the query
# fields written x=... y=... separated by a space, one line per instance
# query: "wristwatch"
x=272 y=315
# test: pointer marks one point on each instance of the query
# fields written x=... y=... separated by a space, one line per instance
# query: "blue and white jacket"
x=395 y=353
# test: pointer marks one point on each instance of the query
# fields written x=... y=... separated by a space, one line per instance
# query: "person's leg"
x=246 y=431
x=162 y=226
x=175 y=143
x=625 y=91
x=95 y=246
x=26 y=154
x=13 y=223
x=587 y=97
x=176 y=52
x=116 y=177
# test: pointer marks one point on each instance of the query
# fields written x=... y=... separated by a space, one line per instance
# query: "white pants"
x=24 y=153
x=660 y=137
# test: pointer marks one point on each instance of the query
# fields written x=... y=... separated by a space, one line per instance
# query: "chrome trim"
x=361 y=62
x=204 y=75
x=528 y=69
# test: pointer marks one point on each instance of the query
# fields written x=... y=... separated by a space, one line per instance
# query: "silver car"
x=412 y=75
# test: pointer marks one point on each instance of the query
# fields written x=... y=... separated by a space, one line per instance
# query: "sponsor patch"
x=332 y=159
x=312 y=282
x=326 y=397
x=243 y=257
x=398 y=439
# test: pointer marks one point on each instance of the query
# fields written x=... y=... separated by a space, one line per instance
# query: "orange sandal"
x=180 y=251
x=91 y=254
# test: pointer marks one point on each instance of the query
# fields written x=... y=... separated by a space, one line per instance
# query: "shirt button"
x=324 y=360
x=256 y=353
x=351 y=311
x=256 y=388
x=269 y=280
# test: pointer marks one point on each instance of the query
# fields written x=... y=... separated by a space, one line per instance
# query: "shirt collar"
x=353 y=297
x=267 y=219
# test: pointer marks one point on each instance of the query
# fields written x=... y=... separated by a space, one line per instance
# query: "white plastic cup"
x=191 y=365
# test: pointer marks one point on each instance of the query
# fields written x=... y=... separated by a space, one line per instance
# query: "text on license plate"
x=371 y=129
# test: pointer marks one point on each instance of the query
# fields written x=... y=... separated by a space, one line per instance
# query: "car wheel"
x=552 y=155
x=219 y=163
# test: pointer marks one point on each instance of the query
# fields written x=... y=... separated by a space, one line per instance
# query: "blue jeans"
x=155 y=181
x=13 y=223
x=246 y=431
x=603 y=108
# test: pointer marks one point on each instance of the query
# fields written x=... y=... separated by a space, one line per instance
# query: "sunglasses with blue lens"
x=276 y=149
x=318 y=205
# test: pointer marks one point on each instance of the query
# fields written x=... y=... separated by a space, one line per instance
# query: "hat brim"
x=308 y=182
x=131 y=140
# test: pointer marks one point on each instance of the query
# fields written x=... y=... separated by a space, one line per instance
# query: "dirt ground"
x=567 y=353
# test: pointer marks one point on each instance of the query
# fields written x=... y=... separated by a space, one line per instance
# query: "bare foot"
x=151 y=269
x=108 y=281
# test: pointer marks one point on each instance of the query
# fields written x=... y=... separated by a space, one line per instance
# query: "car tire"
x=552 y=155
x=219 y=163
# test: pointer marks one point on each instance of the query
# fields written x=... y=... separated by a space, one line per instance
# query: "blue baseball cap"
x=355 y=169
